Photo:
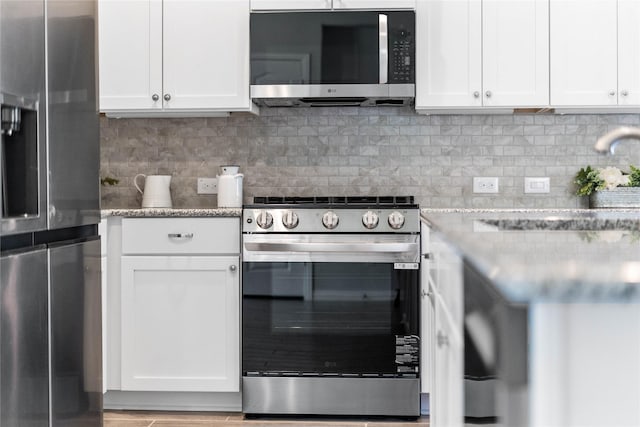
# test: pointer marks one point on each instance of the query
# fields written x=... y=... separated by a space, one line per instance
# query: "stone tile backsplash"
x=363 y=151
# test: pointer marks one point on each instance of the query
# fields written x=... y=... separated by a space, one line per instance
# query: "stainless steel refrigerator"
x=50 y=315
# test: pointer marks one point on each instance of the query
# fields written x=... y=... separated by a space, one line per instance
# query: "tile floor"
x=229 y=419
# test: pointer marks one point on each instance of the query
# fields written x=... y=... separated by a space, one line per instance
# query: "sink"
x=564 y=224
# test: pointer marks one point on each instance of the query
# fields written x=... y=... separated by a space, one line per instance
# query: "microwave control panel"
x=402 y=47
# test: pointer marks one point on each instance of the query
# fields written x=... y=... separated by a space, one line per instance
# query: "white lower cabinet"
x=180 y=319
x=173 y=313
x=448 y=387
x=442 y=331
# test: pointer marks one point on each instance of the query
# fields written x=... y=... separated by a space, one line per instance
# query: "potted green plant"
x=609 y=187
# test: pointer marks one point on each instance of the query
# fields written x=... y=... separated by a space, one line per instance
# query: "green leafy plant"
x=634 y=176
x=588 y=180
x=109 y=181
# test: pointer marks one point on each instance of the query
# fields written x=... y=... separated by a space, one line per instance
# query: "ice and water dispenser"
x=19 y=157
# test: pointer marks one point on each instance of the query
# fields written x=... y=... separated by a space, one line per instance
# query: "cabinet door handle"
x=625 y=93
x=442 y=339
x=167 y=97
x=232 y=267
x=425 y=293
x=180 y=235
x=155 y=97
x=612 y=93
x=488 y=94
x=476 y=94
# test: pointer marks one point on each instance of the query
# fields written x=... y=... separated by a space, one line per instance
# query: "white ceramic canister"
x=230 y=187
x=157 y=193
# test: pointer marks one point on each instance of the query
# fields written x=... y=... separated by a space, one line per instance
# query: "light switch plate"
x=537 y=184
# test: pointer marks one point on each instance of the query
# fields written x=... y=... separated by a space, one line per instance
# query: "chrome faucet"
x=606 y=144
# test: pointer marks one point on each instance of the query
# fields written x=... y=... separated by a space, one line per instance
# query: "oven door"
x=330 y=305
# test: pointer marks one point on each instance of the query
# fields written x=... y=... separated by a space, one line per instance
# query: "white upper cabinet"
x=130 y=36
x=448 y=53
x=174 y=56
x=473 y=53
x=583 y=52
x=515 y=61
x=595 y=53
x=206 y=54
x=629 y=52
x=331 y=4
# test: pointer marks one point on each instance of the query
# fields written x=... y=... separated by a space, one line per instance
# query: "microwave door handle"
x=383 y=39
x=332 y=247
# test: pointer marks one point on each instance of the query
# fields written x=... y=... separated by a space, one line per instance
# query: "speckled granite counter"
x=562 y=255
x=167 y=212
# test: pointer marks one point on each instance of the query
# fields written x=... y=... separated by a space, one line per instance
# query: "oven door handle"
x=332 y=247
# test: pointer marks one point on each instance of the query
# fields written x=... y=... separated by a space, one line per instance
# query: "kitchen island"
x=551 y=314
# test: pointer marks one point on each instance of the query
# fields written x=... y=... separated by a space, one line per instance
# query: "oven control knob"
x=264 y=220
x=290 y=219
x=330 y=220
x=396 y=220
x=370 y=219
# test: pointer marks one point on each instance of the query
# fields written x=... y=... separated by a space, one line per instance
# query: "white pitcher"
x=157 y=193
x=229 y=187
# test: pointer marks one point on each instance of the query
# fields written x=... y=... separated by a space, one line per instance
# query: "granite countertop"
x=549 y=255
x=169 y=212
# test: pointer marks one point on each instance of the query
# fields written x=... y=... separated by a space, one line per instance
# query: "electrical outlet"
x=207 y=185
x=482 y=184
x=536 y=185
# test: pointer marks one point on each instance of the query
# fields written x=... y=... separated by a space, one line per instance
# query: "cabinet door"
x=515 y=59
x=427 y=329
x=427 y=336
x=448 y=390
x=130 y=37
x=449 y=278
x=289 y=4
x=583 y=52
x=374 y=4
x=449 y=55
x=628 y=52
x=180 y=324
x=206 y=54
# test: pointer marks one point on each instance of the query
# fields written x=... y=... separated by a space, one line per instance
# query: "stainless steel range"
x=330 y=307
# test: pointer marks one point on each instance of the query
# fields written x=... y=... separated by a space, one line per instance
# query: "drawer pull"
x=180 y=235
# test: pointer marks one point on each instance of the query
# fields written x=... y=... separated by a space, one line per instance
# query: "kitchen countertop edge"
x=170 y=212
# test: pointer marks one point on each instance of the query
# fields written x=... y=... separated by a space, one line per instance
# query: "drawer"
x=180 y=236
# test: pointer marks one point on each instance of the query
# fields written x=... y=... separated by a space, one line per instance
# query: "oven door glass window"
x=314 y=318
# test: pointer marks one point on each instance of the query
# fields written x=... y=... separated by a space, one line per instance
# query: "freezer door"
x=74 y=137
x=76 y=335
x=24 y=379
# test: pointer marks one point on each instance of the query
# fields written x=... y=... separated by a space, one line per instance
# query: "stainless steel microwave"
x=333 y=58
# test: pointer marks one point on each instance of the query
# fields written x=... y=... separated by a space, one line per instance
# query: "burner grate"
x=336 y=201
